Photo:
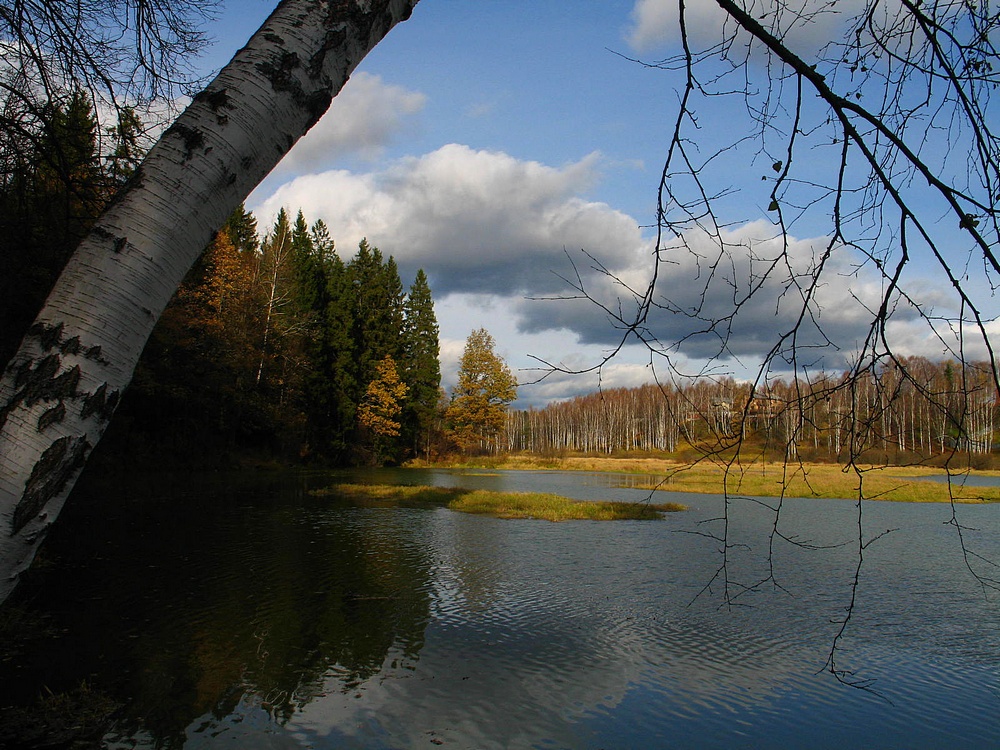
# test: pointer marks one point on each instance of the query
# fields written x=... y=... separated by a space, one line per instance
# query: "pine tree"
x=378 y=310
x=48 y=201
x=421 y=365
x=335 y=410
x=128 y=152
x=478 y=408
x=241 y=227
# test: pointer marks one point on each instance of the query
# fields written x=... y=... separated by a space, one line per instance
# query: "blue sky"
x=491 y=142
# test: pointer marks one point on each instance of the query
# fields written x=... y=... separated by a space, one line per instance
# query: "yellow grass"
x=895 y=483
x=501 y=504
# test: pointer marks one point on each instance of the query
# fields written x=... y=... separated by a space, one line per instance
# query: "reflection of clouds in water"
x=539 y=634
x=470 y=564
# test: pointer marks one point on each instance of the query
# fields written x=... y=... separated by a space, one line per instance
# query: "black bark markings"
x=41 y=380
x=280 y=74
x=117 y=243
x=52 y=416
x=100 y=402
x=48 y=336
x=42 y=383
x=58 y=464
x=218 y=102
x=94 y=353
x=192 y=137
x=70 y=346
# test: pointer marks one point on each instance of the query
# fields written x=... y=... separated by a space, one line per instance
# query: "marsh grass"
x=893 y=483
x=500 y=504
x=75 y=719
x=772 y=479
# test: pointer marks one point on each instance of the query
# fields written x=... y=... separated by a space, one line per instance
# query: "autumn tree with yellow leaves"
x=478 y=410
x=380 y=410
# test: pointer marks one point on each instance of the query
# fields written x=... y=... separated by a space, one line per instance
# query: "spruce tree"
x=421 y=367
x=378 y=311
x=49 y=197
x=337 y=398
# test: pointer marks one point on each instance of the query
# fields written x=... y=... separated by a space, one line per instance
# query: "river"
x=240 y=611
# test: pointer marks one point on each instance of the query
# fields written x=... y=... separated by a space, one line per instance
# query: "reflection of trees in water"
x=239 y=603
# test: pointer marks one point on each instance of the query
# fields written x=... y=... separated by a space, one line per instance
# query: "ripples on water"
x=253 y=615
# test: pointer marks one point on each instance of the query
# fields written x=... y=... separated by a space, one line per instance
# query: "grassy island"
x=500 y=504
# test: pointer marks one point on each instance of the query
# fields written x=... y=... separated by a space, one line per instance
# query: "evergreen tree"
x=128 y=152
x=51 y=195
x=335 y=409
x=478 y=408
x=309 y=274
x=378 y=311
x=322 y=242
x=365 y=272
x=241 y=227
x=420 y=365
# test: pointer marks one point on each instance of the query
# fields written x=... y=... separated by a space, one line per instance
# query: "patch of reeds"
x=75 y=719
x=890 y=483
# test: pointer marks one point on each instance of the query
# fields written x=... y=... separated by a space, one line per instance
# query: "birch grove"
x=908 y=411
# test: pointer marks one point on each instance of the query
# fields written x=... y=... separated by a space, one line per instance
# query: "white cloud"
x=806 y=25
x=476 y=221
x=364 y=117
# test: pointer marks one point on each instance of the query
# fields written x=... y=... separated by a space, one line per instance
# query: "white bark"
x=62 y=386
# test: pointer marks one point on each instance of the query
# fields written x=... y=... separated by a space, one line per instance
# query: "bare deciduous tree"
x=866 y=127
x=122 y=53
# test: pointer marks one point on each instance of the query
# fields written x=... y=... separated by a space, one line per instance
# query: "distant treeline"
x=914 y=407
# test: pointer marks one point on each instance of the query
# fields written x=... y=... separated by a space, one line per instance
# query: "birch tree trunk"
x=61 y=388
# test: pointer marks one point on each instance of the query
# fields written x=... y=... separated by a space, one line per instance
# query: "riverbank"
x=915 y=484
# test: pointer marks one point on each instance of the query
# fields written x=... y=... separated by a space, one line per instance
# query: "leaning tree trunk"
x=62 y=386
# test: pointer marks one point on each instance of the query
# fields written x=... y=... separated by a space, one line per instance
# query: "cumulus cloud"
x=476 y=221
x=736 y=300
x=804 y=24
x=361 y=121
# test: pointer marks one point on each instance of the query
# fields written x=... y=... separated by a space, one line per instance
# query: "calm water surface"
x=245 y=613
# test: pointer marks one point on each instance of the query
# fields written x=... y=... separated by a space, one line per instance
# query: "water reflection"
x=250 y=614
x=205 y=606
